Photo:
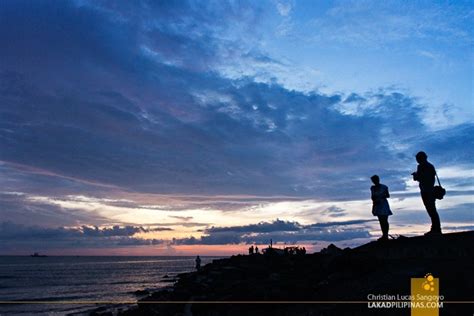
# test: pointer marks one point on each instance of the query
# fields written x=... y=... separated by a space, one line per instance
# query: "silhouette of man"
x=198 y=263
x=380 y=207
x=256 y=249
x=425 y=174
x=251 y=250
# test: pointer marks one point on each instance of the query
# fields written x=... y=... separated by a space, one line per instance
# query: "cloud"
x=284 y=8
x=18 y=208
x=341 y=223
x=17 y=237
x=264 y=227
x=24 y=237
x=334 y=211
x=10 y=230
x=177 y=119
x=377 y=24
x=118 y=231
x=430 y=55
x=183 y=218
x=280 y=232
x=284 y=138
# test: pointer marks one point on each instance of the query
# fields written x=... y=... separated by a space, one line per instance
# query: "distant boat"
x=36 y=255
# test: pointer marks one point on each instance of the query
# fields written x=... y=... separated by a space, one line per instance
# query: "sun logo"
x=428 y=284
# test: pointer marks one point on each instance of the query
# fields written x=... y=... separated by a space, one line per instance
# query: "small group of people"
x=425 y=175
x=253 y=250
x=292 y=251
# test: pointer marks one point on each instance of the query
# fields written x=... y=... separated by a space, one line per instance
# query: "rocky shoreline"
x=277 y=284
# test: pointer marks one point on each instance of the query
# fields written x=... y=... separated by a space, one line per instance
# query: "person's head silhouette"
x=375 y=179
x=421 y=157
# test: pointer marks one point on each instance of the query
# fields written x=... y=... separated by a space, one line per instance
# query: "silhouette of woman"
x=380 y=207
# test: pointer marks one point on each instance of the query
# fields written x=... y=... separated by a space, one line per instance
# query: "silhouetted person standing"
x=380 y=207
x=425 y=174
x=256 y=249
x=198 y=263
x=251 y=250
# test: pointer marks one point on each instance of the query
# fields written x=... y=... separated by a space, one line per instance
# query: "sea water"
x=49 y=282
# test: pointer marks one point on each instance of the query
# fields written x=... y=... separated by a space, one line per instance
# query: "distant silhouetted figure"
x=425 y=174
x=256 y=249
x=380 y=207
x=251 y=250
x=198 y=263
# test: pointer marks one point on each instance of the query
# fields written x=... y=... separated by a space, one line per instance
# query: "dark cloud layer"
x=280 y=231
x=11 y=230
x=263 y=227
x=17 y=237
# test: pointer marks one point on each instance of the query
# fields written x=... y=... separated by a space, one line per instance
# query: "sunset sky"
x=200 y=127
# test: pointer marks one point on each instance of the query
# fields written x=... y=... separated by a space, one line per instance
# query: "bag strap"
x=437 y=178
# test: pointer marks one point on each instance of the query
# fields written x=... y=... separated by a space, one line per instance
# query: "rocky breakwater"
x=241 y=285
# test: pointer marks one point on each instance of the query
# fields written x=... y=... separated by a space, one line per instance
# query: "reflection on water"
x=82 y=279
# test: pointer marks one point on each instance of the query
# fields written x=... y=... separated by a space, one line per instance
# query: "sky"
x=201 y=127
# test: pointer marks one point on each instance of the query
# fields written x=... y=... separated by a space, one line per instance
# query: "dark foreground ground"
x=332 y=275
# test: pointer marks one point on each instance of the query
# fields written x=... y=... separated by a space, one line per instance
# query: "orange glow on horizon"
x=175 y=250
